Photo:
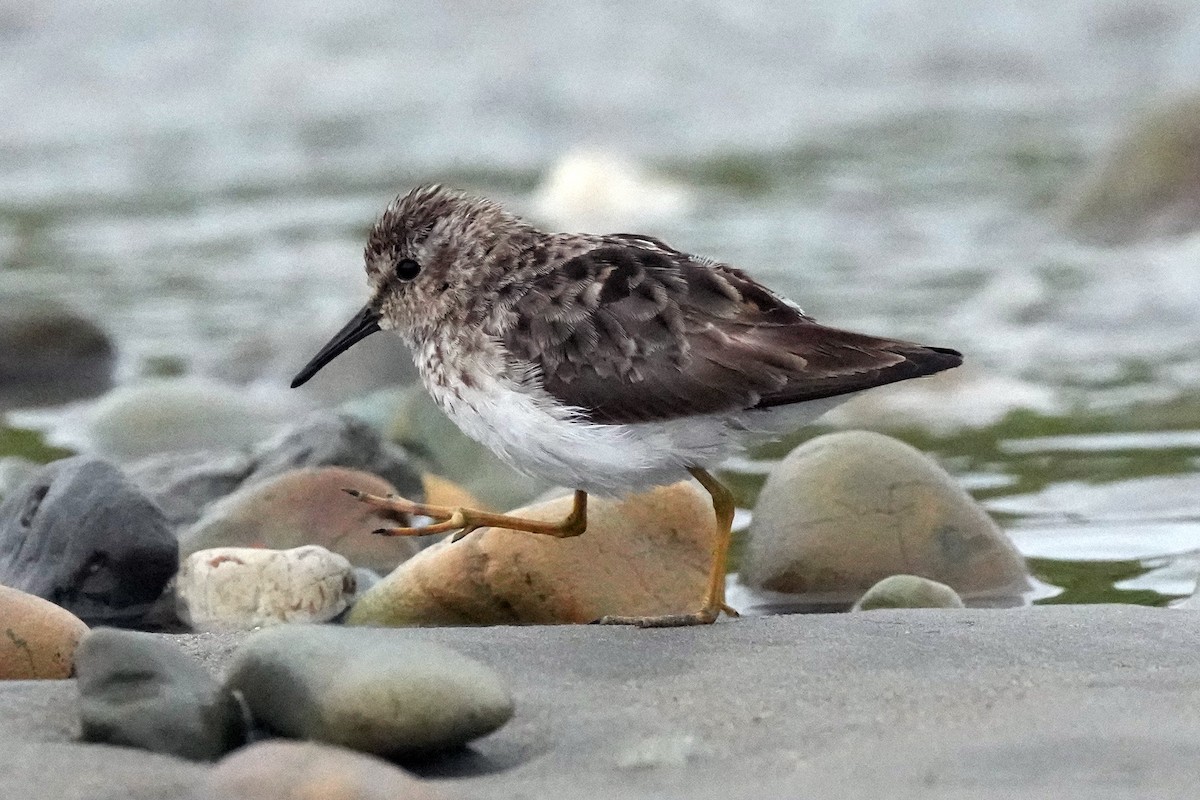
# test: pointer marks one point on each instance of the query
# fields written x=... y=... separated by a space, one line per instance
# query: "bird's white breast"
x=526 y=428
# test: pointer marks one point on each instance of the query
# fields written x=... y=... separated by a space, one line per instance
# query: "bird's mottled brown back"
x=634 y=331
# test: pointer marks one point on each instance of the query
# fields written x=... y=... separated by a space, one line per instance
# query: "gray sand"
x=1084 y=701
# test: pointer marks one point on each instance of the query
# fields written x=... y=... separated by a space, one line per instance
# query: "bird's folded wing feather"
x=634 y=331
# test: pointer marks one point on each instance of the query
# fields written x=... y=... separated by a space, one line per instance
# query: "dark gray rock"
x=50 y=355
x=327 y=439
x=142 y=690
x=367 y=689
x=81 y=535
x=184 y=484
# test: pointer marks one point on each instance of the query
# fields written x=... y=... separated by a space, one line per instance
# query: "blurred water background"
x=198 y=178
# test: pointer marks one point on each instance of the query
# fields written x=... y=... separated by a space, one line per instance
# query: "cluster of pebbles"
x=101 y=562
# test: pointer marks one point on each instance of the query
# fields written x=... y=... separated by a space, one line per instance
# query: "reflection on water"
x=198 y=180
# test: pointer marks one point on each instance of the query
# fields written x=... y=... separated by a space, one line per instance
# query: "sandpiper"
x=606 y=363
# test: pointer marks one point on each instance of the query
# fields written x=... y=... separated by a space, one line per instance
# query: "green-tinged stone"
x=377 y=691
x=908 y=591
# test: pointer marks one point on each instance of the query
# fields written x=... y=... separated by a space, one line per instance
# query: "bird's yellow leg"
x=465 y=520
x=714 y=595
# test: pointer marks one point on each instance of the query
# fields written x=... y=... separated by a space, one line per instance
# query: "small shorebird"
x=605 y=363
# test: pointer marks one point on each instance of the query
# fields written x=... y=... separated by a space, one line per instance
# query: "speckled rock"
x=286 y=770
x=368 y=690
x=81 y=535
x=846 y=510
x=185 y=484
x=51 y=355
x=908 y=591
x=647 y=554
x=240 y=588
x=304 y=506
x=1148 y=183
x=141 y=690
x=39 y=638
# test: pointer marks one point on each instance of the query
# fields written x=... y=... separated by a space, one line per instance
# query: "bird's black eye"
x=407 y=269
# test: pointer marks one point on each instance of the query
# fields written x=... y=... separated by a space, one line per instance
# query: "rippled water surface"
x=199 y=179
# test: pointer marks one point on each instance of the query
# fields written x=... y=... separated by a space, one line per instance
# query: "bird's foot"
x=465 y=520
x=705 y=616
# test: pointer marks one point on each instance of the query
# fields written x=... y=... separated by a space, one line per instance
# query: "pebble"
x=304 y=506
x=1148 y=184
x=184 y=484
x=39 y=638
x=846 y=510
x=286 y=770
x=655 y=752
x=369 y=690
x=50 y=355
x=908 y=591
x=141 y=690
x=81 y=535
x=241 y=588
x=646 y=554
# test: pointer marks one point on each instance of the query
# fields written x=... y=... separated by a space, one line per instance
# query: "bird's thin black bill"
x=365 y=323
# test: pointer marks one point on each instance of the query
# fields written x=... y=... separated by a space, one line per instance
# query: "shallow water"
x=199 y=180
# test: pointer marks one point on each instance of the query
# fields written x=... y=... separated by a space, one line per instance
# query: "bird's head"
x=422 y=254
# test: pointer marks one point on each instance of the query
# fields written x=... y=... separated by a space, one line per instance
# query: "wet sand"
x=1063 y=701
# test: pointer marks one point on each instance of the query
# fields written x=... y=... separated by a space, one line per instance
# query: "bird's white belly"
x=541 y=438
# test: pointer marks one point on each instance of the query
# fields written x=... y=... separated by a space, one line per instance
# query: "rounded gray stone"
x=50 y=355
x=178 y=415
x=327 y=439
x=185 y=484
x=80 y=534
x=908 y=591
x=370 y=690
x=846 y=510
x=141 y=690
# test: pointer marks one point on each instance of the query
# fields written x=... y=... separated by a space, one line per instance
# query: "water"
x=199 y=180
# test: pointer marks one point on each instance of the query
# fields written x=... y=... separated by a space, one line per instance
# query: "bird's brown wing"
x=633 y=331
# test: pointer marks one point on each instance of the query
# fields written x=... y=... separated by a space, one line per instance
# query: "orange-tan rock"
x=441 y=491
x=303 y=506
x=287 y=770
x=647 y=554
x=37 y=638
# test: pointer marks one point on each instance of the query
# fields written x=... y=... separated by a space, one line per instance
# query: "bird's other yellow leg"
x=465 y=520
x=714 y=595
